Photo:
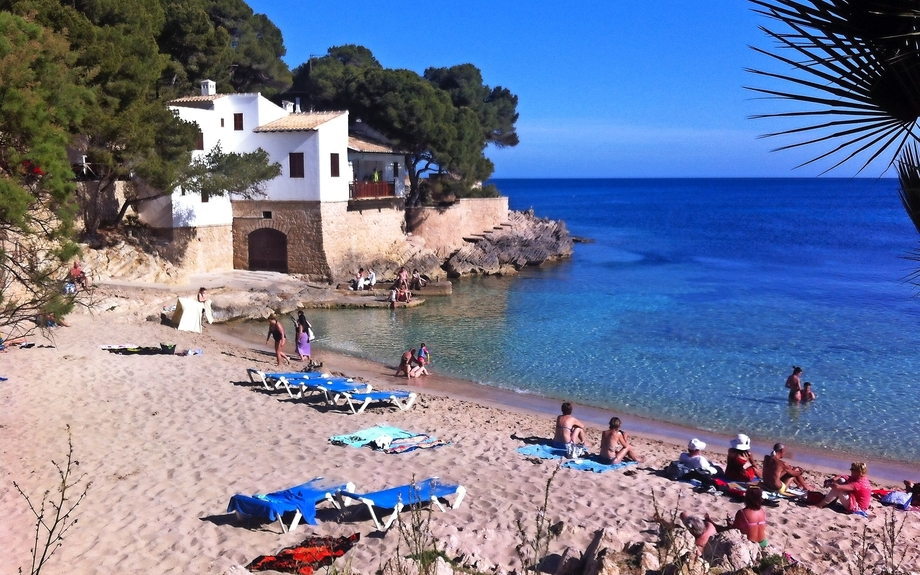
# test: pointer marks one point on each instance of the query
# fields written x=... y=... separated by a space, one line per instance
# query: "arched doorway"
x=268 y=251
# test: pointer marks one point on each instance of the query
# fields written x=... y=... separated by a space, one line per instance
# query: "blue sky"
x=606 y=89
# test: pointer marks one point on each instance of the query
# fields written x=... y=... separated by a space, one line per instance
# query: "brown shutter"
x=295 y=160
x=334 y=165
x=238 y=122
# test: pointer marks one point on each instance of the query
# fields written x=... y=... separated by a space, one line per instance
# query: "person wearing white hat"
x=741 y=465
x=693 y=458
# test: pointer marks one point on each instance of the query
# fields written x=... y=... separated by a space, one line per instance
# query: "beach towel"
x=542 y=451
x=363 y=437
x=420 y=441
x=388 y=439
x=304 y=558
x=596 y=466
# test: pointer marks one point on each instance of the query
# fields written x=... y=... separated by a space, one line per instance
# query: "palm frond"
x=909 y=178
x=857 y=61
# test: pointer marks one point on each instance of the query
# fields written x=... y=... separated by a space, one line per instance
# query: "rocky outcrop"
x=524 y=240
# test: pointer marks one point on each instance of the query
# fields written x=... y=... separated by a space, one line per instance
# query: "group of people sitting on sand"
x=414 y=363
x=742 y=475
x=570 y=435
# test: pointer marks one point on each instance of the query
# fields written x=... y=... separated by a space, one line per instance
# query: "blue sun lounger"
x=358 y=401
x=331 y=388
x=300 y=500
x=427 y=491
x=272 y=381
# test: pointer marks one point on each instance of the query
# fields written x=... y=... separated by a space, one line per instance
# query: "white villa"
x=316 y=216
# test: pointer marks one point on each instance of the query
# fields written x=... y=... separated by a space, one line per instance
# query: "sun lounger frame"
x=433 y=485
x=363 y=399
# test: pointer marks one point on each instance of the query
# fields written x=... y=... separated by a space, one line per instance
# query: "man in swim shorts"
x=777 y=474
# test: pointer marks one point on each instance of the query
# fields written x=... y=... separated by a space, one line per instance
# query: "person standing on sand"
x=276 y=331
x=778 y=475
x=615 y=446
x=569 y=430
x=794 y=384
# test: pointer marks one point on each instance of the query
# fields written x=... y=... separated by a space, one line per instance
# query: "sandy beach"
x=165 y=441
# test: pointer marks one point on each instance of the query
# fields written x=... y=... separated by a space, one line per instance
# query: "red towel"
x=311 y=553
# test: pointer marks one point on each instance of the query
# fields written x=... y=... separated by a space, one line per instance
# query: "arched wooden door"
x=268 y=251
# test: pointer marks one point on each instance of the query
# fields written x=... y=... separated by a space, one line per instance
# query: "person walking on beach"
x=778 y=475
x=794 y=384
x=569 y=431
x=615 y=446
x=276 y=331
x=302 y=337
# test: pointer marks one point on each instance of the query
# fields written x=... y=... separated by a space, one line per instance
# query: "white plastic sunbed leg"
x=390 y=519
x=461 y=492
x=259 y=377
x=295 y=521
x=408 y=404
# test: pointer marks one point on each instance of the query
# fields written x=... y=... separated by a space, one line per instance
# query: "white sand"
x=167 y=440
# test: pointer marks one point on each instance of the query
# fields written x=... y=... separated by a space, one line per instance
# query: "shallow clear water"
x=691 y=306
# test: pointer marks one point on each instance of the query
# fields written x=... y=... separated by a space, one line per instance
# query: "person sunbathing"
x=615 y=446
x=740 y=465
x=693 y=458
x=569 y=431
x=778 y=475
x=854 y=492
x=903 y=499
x=701 y=528
x=751 y=520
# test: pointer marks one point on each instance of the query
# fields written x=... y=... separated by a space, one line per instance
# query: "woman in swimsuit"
x=752 y=520
x=794 y=384
x=405 y=363
x=275 y=330
x=615 y=445
x=302 y=338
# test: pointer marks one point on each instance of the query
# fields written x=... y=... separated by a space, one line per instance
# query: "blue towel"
x=595 y=466
x=301 y=498
x=365 y=436
x=3 y=378
x=542 y=451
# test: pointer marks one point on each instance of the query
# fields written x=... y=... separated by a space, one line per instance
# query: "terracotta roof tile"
x=370 y=146
x=196 y=99
x=303 y=122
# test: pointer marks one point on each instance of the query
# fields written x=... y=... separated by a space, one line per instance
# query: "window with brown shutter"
x=334 y=165
x=199 y=145
x=238 y=122
x=395 y=170
x=295 y=161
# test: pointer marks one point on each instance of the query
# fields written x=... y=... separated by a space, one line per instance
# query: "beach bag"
x=814 y=497
x=575 y=451
x=675 y=470
x=310 y=335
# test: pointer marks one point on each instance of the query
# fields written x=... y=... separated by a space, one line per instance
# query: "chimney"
x=208 y=88
x=297 y=105
x=288 y=106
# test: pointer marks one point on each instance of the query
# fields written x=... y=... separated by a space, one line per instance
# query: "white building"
x=325 y=172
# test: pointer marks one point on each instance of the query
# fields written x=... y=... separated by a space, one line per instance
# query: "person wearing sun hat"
x=741 y=465
x=693 y=458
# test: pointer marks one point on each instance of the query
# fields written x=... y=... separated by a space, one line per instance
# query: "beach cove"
x=166 y=440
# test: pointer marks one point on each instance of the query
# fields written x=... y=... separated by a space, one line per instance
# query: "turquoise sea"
x=691 y=305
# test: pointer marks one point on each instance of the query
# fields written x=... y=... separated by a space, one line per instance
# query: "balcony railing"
x=367 y=190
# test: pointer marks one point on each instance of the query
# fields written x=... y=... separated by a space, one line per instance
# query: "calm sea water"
x=691 y=306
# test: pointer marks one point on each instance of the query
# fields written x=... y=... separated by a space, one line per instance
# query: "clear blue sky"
x=606 y=88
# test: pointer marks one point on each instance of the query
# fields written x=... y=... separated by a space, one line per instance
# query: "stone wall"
x=361 y=238
x=301 y=222
x=443 y=228
x=207 y=249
